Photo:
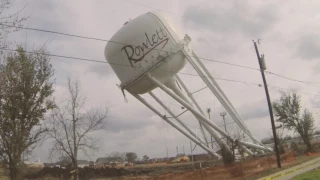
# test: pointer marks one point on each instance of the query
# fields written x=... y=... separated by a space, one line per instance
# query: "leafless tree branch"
x=71 y=126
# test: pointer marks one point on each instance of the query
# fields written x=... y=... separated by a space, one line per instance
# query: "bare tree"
x=71 y=126
x=235 y=132
x=281 y=133
x=115 y=157
x=281 y=137
x=25 y=96
x=238 y=134
x=64 y=161
x=288 y=112
x=9 y=21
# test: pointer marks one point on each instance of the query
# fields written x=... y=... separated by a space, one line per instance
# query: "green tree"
x=288 y=112
x=25 y=96
x=145 y=158
x=131 y=157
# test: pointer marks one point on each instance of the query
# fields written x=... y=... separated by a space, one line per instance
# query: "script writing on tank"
x=137 y=53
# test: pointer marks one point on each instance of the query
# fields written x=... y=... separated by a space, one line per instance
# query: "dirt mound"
x=50 y=172
x=84 y=173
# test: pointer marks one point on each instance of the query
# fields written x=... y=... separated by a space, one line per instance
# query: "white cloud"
x=232 y=17
x=220 y=31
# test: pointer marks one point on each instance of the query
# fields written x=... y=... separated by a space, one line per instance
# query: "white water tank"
x=137 y=48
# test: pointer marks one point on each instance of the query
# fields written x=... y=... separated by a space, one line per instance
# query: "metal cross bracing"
x=174 y=86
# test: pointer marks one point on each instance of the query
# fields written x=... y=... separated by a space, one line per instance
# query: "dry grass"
x=299 y=160
x=28 y=170
x=153 y=165
x=172 y=170
x=3 y=174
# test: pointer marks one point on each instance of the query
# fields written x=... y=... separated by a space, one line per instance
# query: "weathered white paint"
x=140 y=46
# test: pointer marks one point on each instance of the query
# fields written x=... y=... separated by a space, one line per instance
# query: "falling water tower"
x=147 y=53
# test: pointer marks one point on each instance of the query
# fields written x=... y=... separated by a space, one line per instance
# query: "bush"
x=227 y=157
x=316 y=147
x=295 y=147
x=84 y=173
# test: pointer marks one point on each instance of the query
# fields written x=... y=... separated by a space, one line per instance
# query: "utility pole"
x=183 y=150
x=262 y=68
x=208 y=111
x=167 y=152
x=177 y=150
x=191 y=152
x=223 y=114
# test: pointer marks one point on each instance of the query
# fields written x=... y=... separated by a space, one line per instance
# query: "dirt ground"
x=237 y=171
x=185 y=171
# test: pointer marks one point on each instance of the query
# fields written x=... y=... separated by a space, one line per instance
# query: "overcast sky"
x=220 y=30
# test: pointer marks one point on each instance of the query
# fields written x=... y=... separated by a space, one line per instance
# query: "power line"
x=106 y=40
x=105 y=62
x=207 y=59
x=290 y=90
x=292 y=79
x=275 y=74
x=189 y=74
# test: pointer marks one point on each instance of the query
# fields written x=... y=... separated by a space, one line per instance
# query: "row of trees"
x=113 y=157
x=130 y=157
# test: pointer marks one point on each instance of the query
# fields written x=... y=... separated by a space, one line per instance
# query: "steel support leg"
x=174 y=116
x=175 y=126
x=189 y=107
x=215 y=91
x=214 y=83
x=215 y=134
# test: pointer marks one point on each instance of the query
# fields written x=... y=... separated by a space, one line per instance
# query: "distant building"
x=83 y=163
x=199 y=157
x=112 y=161
x=102 y=161
x=34 y=164
x=315 y=139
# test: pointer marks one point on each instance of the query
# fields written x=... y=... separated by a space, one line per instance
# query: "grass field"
x=3 y=175
x=299 y=160
x=163 y=168
x=310 y=175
